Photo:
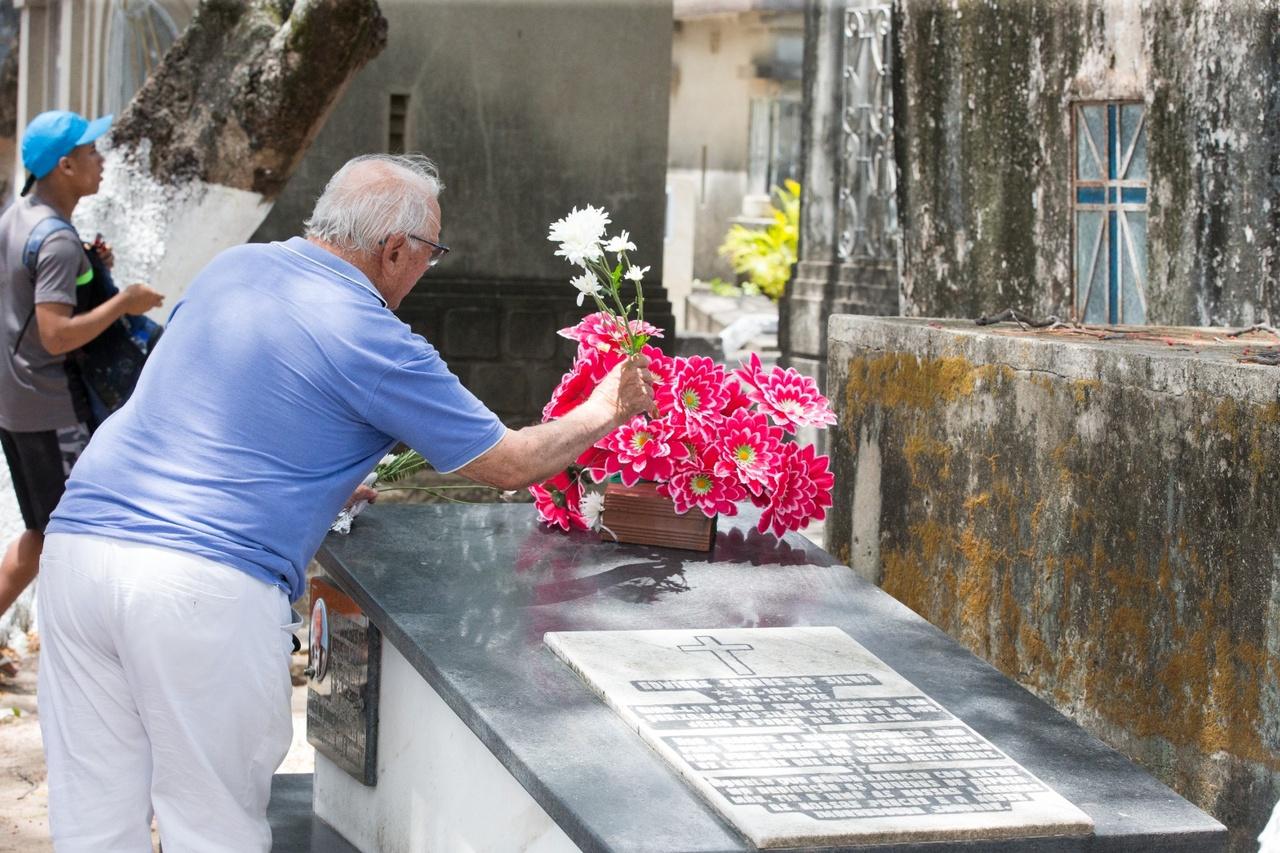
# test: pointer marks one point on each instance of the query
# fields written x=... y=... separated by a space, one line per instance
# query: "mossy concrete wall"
x=1099 y=519
x=982 y=102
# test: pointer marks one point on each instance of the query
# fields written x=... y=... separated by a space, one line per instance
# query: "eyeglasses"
x=438 y=250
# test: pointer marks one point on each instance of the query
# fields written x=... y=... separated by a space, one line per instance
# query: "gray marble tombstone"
x=800 y=737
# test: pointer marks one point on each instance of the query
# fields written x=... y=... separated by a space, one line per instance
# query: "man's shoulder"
x=243 y=253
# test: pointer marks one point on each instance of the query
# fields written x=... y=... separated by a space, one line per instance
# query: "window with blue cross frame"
x=1109 y=196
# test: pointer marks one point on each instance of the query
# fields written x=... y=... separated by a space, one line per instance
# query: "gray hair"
x=372 y=197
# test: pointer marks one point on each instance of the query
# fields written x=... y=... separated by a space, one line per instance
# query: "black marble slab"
x=466 y=593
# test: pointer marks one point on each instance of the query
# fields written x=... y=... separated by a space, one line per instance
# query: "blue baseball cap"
x=53 y=135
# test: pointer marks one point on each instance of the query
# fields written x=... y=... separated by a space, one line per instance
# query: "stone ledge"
x=1170 y=360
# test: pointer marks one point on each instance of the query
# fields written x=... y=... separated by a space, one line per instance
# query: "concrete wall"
x=1099 y=519
x=982 y=107
x=528 y=109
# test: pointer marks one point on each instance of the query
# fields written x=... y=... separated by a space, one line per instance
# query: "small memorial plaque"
x=800 y=736
x=343 y=668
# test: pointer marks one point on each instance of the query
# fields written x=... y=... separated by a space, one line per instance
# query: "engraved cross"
x=724 y=653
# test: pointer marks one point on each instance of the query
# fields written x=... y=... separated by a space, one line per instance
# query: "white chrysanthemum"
x=586 y=285
x=621 y=243
x=592 y=508
x=579 y=234
x=635 y=273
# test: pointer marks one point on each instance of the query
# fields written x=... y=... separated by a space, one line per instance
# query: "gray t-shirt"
x=33 y=383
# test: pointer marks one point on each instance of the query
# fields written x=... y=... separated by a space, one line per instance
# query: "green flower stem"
x=436 y=490
x=624 y=325
x=401 y=466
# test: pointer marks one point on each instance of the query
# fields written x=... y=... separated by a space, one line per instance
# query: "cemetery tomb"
x=466 y=730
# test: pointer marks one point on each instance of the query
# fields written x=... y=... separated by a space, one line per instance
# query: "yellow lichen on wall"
x=920 y=577
x=900 y=380
x=1054 y=552
x=928 y=459
x=1082 y=388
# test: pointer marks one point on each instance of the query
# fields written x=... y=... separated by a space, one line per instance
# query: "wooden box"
x=638 y=514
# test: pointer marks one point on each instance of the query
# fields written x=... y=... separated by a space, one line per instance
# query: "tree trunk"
x=8 y=97
x=206 y=145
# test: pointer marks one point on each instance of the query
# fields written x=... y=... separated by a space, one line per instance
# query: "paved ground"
x=24 y=794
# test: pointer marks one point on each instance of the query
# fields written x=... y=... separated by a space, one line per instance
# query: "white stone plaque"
x=800 y=736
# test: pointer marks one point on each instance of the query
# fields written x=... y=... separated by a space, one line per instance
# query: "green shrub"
x=765 y=255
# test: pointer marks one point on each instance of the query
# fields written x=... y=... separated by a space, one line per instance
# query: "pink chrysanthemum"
x=638 y=450
x=576 y=386
x=696 y=483
x=748 y=448
x=799 y=490
x=694 y=398
x=738 y=398
x=601 y=331
x=558 y=502
x=661 y=365
x=788 y=398
x=592 y=462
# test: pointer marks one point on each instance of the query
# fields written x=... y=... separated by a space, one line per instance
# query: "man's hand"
x=61 y=332
x=626 y=391
x=368 y=494
x=139 y=299
x=103 y=248
x=533 y=454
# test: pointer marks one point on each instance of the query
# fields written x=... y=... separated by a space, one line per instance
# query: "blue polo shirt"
x=281 y=380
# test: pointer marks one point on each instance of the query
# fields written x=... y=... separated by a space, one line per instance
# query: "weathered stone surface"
x=1099 y=519
x=982 y=114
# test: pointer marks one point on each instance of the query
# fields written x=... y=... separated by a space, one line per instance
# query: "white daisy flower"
x=586 y=285
x=592 y=508
x=579 y=234
x=621 y=243
x=635 y=273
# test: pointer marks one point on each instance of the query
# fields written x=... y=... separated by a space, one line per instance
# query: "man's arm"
x=60 y=332
x=536 y=453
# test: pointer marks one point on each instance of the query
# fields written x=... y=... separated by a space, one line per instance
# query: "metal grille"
x=868 y=208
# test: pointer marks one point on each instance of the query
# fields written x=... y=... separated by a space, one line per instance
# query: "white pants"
x=164 y=683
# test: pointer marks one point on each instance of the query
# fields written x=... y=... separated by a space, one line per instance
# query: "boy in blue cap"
x=40 y=429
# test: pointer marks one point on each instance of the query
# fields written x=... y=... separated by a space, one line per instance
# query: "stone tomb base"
x=439 y=787
x=801 y=737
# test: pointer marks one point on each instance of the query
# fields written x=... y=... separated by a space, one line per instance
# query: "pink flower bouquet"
x=721 y=437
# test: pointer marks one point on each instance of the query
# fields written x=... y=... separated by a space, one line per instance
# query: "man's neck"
x=359 y=260
x=59 y=198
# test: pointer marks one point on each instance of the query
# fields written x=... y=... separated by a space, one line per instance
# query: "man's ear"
x=393 y=250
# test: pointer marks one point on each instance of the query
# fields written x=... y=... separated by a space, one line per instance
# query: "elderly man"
x=187 y=525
